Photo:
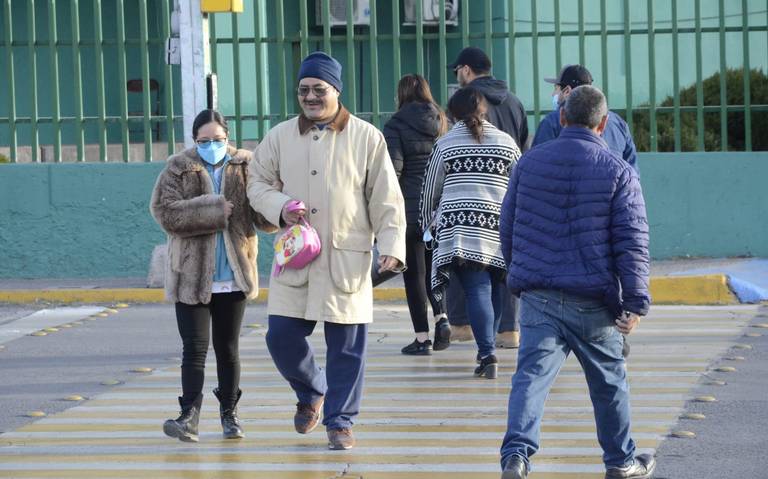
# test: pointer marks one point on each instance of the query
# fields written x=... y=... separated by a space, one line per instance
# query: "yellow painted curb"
x=704 y=289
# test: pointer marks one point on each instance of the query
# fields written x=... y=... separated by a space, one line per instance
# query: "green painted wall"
x=79 y=220
x=92 y=220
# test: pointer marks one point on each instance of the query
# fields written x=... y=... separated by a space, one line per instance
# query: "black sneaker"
x=418 y=349
x=489 y=367
x=442 y=335
x=515 y=469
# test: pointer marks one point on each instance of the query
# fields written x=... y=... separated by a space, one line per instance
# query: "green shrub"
x=712 y=138
x=4 y=159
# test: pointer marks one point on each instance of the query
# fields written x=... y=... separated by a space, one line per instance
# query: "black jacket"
x=505 y=111
x=410 y=134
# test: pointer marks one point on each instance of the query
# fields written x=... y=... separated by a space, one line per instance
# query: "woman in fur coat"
x=200 y=201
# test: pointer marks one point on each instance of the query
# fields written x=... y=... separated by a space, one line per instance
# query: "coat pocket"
x=351 y=260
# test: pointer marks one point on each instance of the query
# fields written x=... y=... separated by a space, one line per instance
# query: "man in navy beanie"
x=338 y=167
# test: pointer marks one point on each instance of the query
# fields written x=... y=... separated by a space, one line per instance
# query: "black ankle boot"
x=230 y=423
x=185 y=426
x=489 y=367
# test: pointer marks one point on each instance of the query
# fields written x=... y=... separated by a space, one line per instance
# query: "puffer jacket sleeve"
x=263 y=174
x=386 y=206
x=394 y=146
x=182 y=217
x=507 y=219
x=629 y=241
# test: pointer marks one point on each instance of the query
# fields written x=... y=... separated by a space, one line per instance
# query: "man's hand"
x=627 y=322
x=389 y=263
x=228 y=207
x=292 y=217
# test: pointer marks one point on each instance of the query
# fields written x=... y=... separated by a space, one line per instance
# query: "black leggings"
x=194 y=321
x=417 y=279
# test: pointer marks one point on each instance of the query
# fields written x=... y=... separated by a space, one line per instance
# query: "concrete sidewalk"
x=683 y=281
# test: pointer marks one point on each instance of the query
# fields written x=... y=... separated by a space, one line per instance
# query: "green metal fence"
x=93 y=55
x=67 y=71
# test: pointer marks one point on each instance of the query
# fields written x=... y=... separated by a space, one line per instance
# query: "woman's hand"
x=228 y=207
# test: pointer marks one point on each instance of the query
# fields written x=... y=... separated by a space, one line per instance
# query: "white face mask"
x=555 y=101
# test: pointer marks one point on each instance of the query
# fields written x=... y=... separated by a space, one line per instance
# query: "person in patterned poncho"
x=465 y=184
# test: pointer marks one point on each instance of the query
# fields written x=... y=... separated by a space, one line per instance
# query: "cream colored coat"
x=346 y=180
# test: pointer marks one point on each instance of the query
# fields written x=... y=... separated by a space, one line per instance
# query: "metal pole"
x=195 y=63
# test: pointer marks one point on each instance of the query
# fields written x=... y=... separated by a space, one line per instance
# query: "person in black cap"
x=616 y=133
x=506 y=112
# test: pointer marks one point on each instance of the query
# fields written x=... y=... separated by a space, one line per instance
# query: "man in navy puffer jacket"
x=574 y=236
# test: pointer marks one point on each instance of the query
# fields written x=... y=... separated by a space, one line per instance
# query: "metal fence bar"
x=304 y=28
x=419 y=39
x=122 y=69
x=582 y=56
x=54 y=59
x=146 y=87
x=170 y=135
x=628 y=64
x=747 y=74
x=101 y=107
x=465 y=23
x=558 y=46
x=9 y=70
x=443 y=54
x=236 y=79
x=326 y=4
x=699 y=85
x=78 y=83
x=487 y=26
x=676 y=79
x=32 y=54
x=373 y=31
x=723 y=72
x=396 y=60
x=535 y=55
x=652 y=128
x=213 y=42
x=604 y=47
x=283 y=75
x=511 y=40
x=351 y=86
x=260 y=98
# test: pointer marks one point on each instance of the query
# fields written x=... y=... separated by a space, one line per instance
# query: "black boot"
x=230 y=423
x=185 y=426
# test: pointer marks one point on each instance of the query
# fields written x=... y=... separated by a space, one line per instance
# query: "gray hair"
x=585 y=106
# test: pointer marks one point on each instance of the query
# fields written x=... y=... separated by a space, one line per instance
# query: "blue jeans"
x=457 y=311
x=483 y=298
x=553 y=324
x=342 y=381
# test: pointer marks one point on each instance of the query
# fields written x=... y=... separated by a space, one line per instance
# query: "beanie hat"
x=323 y=67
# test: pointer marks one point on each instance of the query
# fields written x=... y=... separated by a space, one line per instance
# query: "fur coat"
x=185 y=206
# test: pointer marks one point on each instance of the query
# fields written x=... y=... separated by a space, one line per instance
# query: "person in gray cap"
x=616 y=133
x=338 y=167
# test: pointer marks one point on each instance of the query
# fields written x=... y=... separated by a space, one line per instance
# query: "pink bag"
x=298 y=245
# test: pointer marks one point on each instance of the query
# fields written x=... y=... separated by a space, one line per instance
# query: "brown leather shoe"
x=462 y=333
x=340 y=439
x=508 y=340
x=307 y=416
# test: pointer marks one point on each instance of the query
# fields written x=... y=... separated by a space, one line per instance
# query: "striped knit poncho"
x=461 y=199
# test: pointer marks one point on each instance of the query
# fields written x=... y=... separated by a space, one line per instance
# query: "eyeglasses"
x=319 y=91
x=207 y=143
x=456 y=70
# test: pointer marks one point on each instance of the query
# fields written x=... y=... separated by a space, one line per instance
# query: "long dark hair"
x=468 y=105
x=414 y=88
x=208 y=116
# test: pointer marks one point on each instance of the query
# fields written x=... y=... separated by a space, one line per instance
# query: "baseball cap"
x=474 y=58
x=572 y=76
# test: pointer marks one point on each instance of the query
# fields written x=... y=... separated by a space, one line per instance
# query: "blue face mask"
x=555 y=101
x=212 y=152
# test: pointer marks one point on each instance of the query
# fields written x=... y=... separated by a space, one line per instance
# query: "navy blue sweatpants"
x=342 y=380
